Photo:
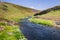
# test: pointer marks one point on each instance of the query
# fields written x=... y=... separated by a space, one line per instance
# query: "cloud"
x=31 y=7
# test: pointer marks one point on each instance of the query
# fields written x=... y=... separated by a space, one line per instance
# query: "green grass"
x=42 y=21
x=2 y=23
x=10 y=33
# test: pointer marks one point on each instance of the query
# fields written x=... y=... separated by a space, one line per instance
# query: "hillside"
x=50 y=17
x=51 y=13
x=10 y=15
x=14 y=12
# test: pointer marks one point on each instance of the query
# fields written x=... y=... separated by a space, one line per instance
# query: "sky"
x=36 y=4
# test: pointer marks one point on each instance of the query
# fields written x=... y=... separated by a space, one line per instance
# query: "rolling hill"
x=14 y=12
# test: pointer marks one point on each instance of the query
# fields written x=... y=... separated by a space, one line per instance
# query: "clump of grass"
x=42 y=21
x=11 y=33
x=3 y=23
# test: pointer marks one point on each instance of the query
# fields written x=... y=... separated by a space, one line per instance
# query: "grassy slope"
x=47 y=17
x=12 y=12
x=51 y=13
x=15 y=12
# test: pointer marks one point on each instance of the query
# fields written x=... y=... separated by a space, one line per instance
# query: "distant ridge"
x=48 y=10
x=50 y=14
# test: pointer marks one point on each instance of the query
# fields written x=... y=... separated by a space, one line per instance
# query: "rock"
x=57 y=22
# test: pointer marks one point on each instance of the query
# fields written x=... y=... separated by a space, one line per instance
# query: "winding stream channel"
x=34 y=31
